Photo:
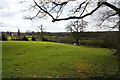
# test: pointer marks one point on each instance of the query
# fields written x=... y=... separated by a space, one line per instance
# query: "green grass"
x=26 y=59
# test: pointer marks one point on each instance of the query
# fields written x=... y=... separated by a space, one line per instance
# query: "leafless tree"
x=41 y=28
x=76 y=27
x=56 y=9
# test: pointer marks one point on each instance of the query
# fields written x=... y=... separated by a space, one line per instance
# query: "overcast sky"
x=11 y=18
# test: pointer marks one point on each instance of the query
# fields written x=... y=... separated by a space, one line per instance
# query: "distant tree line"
x=95 y=39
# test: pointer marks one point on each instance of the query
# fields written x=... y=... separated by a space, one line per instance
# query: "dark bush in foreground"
x=4 y=38
x=25 y=38
x=33 y=38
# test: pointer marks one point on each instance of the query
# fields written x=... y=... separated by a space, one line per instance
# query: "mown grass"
x=26 y=59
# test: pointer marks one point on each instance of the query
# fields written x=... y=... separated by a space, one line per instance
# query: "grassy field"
x=26 y=59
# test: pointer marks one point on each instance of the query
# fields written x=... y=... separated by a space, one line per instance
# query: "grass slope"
x=26 y=59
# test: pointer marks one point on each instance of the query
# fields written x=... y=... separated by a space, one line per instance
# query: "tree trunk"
x=118 y=50
x=77 y=42
x=41 y=36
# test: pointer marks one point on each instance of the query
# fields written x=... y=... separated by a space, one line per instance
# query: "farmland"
x=27 y=59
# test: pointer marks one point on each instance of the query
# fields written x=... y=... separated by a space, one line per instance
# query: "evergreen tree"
x=18 y=32
x=3 y=37
x=8 y=33
x=33 y=38
x=25 y=38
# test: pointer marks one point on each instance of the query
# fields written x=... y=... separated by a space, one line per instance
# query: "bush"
x=44 y=39
x=33 y=38
x=15 y=38
x=25 y=38
x=4 y=38
x=65 y=39
x=110 y=41
x=94 y=43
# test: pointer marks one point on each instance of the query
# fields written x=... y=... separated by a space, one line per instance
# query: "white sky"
x=11 y=18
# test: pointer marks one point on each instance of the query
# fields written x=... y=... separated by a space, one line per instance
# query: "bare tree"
x=41 y=28
x=76 y=27
x=56 y=8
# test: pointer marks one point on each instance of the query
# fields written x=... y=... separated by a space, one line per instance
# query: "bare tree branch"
x=43 y=10
x=79 y=6
x=84 y=8
x=61 y=4
x=36 y=14
x=106 y=18
x=112 y=7
x=74 y=17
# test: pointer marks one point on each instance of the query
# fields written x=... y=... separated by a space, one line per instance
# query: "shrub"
x=44 y=39
x=33 y=38
x=94 y=43
x=110 y=41
x=25 y=38
x=16 y=38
